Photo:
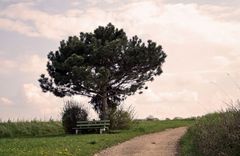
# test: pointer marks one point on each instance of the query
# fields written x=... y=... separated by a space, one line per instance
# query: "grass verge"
x=187 y=147
x=81 y=145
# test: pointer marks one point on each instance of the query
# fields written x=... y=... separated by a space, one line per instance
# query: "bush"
x=121 y=119
x=217 y=133
x=151 y=118
x=73 y=112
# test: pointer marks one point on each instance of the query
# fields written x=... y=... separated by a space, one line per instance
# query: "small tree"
x=104 y=65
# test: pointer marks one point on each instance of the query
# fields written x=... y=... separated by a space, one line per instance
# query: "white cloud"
x=224 y=13
x=164 y=104
x=183 y=96
x=202 y=47
x=4 y=101
x=75 y=3
x=170 y=21
x=221 y=60
x=54 y=26
x=18 y=26
x=32 y=64
x=47 y=105
x=7 y=65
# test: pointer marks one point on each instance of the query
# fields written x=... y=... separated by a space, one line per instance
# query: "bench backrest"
x=93 y=123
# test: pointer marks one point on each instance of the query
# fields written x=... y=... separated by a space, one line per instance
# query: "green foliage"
x=104 y=63
x=121 y=119
x=112 y=103
x=73 y=112
x=216 y=134
x=80 y=145
x=30 y=128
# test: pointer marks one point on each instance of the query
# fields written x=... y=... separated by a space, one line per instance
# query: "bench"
x=101 y=125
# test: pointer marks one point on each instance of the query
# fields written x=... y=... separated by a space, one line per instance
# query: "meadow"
x=47 y=144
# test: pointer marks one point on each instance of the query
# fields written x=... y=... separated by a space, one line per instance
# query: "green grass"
x=30 y=128
x=80 y=145
x=188 y=148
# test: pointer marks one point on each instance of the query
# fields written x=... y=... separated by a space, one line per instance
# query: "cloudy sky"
x=201 y=39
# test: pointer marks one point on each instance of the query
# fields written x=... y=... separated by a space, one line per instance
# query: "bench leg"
x=102 y=130
x=76 y=131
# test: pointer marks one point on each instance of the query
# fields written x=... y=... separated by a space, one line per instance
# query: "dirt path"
x=157 y=144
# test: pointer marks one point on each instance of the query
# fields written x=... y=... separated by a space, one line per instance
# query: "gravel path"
x=157 y=144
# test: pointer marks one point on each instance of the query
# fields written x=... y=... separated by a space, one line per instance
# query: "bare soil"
x=157 y=144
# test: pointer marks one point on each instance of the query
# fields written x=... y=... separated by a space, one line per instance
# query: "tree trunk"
x=105 y=107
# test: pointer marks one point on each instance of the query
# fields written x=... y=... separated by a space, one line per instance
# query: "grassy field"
x=214 y=134
x=81 y=145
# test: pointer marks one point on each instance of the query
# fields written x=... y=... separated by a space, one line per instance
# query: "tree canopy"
x=104 y=65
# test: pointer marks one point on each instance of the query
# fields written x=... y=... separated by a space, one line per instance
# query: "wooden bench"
x=101 y=125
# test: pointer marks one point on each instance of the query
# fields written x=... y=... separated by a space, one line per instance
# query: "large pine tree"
x=104 y=65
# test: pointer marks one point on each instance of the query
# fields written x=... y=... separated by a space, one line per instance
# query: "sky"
x=201 y=38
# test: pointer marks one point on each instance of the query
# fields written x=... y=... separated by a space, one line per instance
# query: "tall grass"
x=30 y=128
x=216 y=134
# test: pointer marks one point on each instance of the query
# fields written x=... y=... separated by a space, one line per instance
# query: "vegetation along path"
x=157 y=144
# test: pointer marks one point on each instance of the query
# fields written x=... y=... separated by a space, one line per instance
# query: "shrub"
x=151 y=118
x=120 y=118
x=218 y=133
x=73 y=112
x=167 y=119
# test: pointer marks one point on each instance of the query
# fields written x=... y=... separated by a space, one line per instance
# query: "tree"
x=104 y=65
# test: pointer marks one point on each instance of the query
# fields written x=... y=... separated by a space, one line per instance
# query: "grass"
x=188 y=148
x=214 y=134
x=30 y=128
x=81 y=145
